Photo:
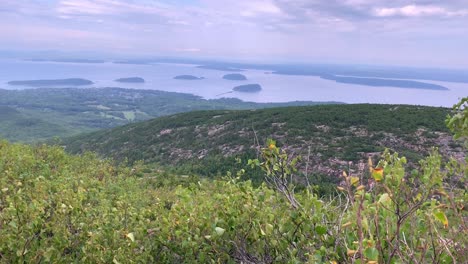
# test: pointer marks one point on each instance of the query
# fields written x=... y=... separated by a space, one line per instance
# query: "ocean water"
x=276 y=88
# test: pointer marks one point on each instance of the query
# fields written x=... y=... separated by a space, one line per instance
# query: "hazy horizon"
x=420 y=33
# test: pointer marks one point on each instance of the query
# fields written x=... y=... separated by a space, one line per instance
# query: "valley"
x=62 y=112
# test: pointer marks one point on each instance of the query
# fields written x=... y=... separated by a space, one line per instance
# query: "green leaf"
x=441 y=217
x=371 y=254
x=321 y=230
x=48 y=253
x=385 y=199
x=269 y=228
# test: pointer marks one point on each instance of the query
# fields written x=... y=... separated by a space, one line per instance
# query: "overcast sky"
x=400 y=32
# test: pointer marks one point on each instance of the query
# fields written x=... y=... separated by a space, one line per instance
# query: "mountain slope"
x=207 y=142
x=16 y=125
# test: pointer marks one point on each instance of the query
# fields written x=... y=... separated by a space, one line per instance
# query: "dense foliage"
x=208 y=142
x=60 y=208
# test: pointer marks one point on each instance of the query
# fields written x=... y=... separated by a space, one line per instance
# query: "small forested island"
x=58 y=82
x=131 y=80
x=235 y=77
x=188 y=77
x=248 y=88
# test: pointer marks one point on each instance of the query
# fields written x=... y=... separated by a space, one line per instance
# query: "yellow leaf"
x=340 y=188
x=351 y=252
x=442 y=192
x=377 y=174
x=346 y=224
x=219 y=230
x=369 y=162
x=354 y=180
x=361 y=187
x=131 y=237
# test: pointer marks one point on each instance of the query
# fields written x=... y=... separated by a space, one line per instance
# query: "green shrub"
x=60 y=208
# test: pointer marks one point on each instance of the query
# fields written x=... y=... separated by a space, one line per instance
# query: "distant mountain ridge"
x=55 y=82
x=378 y=82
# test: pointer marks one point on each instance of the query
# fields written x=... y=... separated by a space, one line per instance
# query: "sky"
x=398 y=32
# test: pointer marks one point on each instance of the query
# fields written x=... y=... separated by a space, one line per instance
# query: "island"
x=378 y=82
x=248 y=88
x=58 y=82
x=131 y=80
x=235 y=77
x=188 y=77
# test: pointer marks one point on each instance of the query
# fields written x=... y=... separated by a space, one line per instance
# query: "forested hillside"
x=327 y=137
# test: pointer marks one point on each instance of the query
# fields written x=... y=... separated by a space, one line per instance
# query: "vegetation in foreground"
x=60 y=208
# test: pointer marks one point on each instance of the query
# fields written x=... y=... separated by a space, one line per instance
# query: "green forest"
x=329 y=137
x=63 y=208
x=30 y=115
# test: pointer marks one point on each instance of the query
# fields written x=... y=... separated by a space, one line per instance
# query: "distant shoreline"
x=54 y=82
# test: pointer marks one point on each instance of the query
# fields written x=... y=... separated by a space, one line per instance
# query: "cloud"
x=82 y=7
x=255 y=8
x=350 y=29
x=418 y=11
x=104 y=7
x=356 y=11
